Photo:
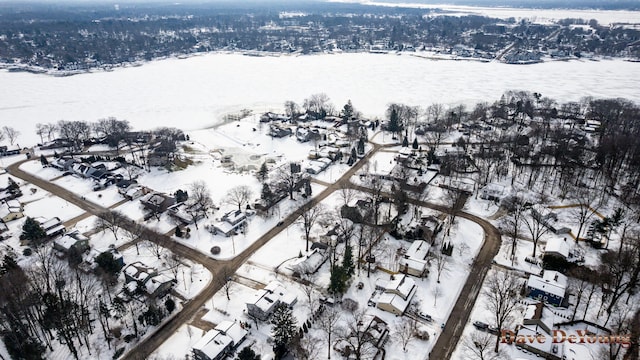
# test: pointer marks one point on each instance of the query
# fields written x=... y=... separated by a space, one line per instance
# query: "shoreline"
x=427 y=55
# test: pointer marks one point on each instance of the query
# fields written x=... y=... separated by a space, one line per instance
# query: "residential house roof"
x=551 y=282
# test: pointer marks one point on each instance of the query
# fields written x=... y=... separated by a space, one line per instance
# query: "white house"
x=312 y=262
x=557 y=247
x=219 y=342
x=397 y=294
x=414 y=261
x=230 y=222
x=265 y=301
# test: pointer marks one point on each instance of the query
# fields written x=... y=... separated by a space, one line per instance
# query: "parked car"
x=493 y=330
x=424 y=316
x=480 y=325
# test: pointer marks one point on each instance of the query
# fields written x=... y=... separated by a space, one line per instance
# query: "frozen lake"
x=195 y=93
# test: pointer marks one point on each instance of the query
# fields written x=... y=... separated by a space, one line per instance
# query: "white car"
x=424 y=316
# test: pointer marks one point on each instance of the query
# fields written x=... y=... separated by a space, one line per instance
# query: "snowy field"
x=604 y=17
x=195 y=93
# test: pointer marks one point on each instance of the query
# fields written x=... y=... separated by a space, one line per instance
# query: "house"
x=279 y=132
x=230 y=222
x=397 y=294
x=181 y=212
x=158 y=285
x=124 y=185
x=11 y=210
x=219 y=342
x=312 y=262
x=414 y=261
x=72 y=240
x=549 y=288
x=134 y=192
x=557 y=247
x=52 y=227
x=538 y=320
x=139 y=272
x=157 y=202
x=265 y=301
x=63 y=164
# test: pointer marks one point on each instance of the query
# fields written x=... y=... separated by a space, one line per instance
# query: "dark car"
x=480 y=325
x=280 y=223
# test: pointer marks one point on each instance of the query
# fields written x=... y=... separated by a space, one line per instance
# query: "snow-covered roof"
x=396 y=301
x=558 y=245
x=265 y=299
x=401 y=285
x=418 y=250
x=311 y=262
x=413 y=264
x=51 y=223
x=66 y=242
x=551 y=282
x=233 y=330
x=213 y=343
x=234 y=217
x=155 y=282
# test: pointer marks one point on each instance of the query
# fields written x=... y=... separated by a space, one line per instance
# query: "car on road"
x=493 y=330
x=480 y=325
x=424 y=316
x=280 y=223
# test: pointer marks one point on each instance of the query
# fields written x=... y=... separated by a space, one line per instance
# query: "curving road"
x=446 y=342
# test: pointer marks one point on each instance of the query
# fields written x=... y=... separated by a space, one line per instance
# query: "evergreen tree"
x=337 y=280
x=347 y=111
x=108 y=263
x=347 y=262
x=394 y=122
x=178 y=232
x=43 y=160
x=405 y=142
x=266 y=194
x=263 y=173
x=31 y=230
x=247 y=353
x=415 y=143
x=284 y=330
x=12 y=185
x=181 y=196
x=361 y=146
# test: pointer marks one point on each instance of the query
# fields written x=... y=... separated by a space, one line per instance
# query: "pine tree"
x=43 y=160
x=337 y=280
x=12 y=185
x=405 y=142
x=247 y=353
x=347 y=111
x=415 y=143
x=31 y=230
x=284 y=330
x=267 y=194
x=361 y=146
x=263 y=173
x=347 y=262
x=394 y=122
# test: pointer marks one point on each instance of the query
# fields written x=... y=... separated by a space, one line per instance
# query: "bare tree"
x=405 y=330
x=12 y=134
x=287 y=177
x=511 y=223
x=455 y=200
x=225 y=280
x=328 y=321
x=358 y=336
x=291 y=109
x=536 y=229
x=74 y=132
x=239 y=196
x=112 y=221
x=156 y=246
x=585 y=209
x=173 y=262
x=113 y=129
x=308 y=284
x=441 y=263
x=306 y=348
x=199 y=201
x=318 y=105
x=502 y=290
x=309 y=217
x=133 y=232
x=478 y=346
x=347 y=194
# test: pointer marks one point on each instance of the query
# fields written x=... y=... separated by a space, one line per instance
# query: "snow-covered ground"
x=544 y=16
x=195 y=93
